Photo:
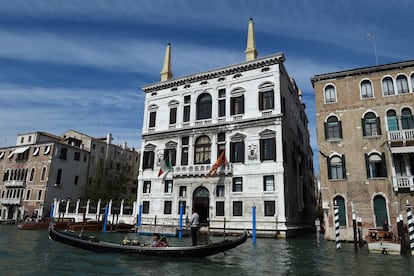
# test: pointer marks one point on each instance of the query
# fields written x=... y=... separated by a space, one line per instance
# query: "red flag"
x=221 y=161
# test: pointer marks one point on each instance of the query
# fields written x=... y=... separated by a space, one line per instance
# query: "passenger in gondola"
x=158 y=242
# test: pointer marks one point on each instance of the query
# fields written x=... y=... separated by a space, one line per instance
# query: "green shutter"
x=380 y=210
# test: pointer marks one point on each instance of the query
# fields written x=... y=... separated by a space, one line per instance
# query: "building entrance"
x=201 y=200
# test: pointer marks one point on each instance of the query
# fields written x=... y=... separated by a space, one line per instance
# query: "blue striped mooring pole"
x=52 y=209
x=254 y=224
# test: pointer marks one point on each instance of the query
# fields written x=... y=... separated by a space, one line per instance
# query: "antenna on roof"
x=371 y=36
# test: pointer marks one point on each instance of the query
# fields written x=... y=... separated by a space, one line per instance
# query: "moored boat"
x=89 y=226
x=95 y=245
x=43 y=225
x=384 y=242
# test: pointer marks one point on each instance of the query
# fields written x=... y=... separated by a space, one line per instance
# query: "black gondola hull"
x=95 y=245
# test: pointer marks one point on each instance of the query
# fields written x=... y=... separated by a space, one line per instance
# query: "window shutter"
x=325 y=125
x=260 y=101
x=379 y=125
x=367 y=166
x=383 y=165
x=242 y=104
x=242 y=152
x=343 y=167
x=328 y=165
x=231 y=106
x=363 y=127
x=340 y=129
x=274 y=148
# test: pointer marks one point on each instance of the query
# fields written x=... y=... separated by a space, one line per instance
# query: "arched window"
x=32 y=173
x=330 y=94
x=333 y=128
x=371 y=125
x=202 y=150
x=376 y=165
x=392 y=120
x=204 y=106
x=380 y=210
x=387 y=86
x=366 y=89
x=407 y=121
x=402 y=84
x=336 y=167
x=340 y=202
x=43 y=175
x=412 y=82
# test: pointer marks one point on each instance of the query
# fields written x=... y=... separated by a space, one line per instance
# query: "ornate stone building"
x=252 y=112
x=365 y=132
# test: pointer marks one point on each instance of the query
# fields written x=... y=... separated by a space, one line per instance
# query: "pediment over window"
x=237 y=91
x=267 y=133
x=150 y=147
x=152 y=107
x=171 y=145
x=173 y=103
x=266 y=85
x=237 y=137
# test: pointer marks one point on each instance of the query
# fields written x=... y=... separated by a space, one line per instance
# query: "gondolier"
x=195 y=223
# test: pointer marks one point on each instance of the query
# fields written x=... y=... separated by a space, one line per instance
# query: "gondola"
x=95 y=245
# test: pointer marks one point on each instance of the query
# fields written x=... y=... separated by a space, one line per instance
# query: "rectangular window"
x=220 y=208
x=237 y=184
x=170 y=154
x=268 y=183
x=266 y=100
x=237 y=208
x=27 y=195
x=269 y=208
x=173 y=116
x=168 y=188
x=268 y=149
x=222 y=108
x=76 y=156
x=167 y=207
x=76 y=179
x=220 y=191
x=146 y=189
x=184 y=150
x=58 y=176
x=39 y=195
x=152 y=118
x=237 y=152
x=183 y=191
x=148 y=160
x=221 y=143
x=181 y=202
x=237 y=105
x=186 y=111
x=145 y=207
x=63 y=153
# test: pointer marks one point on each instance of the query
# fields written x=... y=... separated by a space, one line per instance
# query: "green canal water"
x=32 y=253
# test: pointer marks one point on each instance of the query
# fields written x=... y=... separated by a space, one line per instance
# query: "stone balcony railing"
x=404 y=135
x=14 y=183
x=403 y=183
x=11 y=201
x=200 y=170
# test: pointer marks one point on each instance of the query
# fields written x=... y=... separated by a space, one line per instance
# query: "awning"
x=409 y=149
x=20 y=150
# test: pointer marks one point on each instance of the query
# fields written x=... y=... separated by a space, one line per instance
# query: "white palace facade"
x=253 y=111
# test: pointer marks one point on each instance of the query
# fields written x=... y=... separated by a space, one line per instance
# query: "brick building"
x=365 y=132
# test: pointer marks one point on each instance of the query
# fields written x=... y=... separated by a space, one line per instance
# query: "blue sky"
x=80 y=64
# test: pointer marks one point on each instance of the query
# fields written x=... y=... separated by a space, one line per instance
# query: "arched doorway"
x=201 y=203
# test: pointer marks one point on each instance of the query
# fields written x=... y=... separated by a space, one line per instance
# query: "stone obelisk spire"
x=251 y=52
x=166 y=73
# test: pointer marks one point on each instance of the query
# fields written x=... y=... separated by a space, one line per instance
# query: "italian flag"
x=165 y=167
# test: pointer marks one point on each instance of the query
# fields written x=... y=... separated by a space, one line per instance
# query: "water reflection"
x=30 y=252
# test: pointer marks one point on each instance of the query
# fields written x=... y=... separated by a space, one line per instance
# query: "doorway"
x=201 y=203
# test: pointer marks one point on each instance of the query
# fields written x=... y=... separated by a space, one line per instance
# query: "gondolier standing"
x=194 y=222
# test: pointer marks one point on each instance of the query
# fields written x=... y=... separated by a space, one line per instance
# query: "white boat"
x=384 y=242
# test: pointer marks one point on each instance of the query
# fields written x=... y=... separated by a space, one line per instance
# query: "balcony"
x=404 y=137
x=11 y=201
x=203 y=122
x=403 y=183
x=15 y=183
x=200 y=170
